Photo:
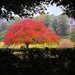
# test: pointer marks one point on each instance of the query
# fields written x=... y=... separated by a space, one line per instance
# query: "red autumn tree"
x=29 y=31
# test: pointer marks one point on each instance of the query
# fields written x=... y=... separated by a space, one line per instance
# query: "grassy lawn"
x=51 y=45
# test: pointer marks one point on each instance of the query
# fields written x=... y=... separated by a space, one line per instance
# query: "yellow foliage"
x=41 y=17
x=65 y=43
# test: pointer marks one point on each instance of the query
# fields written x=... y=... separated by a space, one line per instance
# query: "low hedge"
x=38 y=62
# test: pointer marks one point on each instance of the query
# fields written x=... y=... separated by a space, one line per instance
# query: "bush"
x=66 y=43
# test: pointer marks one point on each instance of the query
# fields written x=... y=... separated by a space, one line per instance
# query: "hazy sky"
x=52 y=9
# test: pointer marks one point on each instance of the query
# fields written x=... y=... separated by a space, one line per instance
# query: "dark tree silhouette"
x=17 y=6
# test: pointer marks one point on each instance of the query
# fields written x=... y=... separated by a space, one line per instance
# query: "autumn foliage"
x=65 y=43
x=29 y=31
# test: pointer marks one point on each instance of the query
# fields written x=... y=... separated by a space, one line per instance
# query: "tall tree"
x=72 y=35
x=29 y=31
x=47 y=20
x=62 y=25
x=3 y=26
x=55 y=24
x=1 y=35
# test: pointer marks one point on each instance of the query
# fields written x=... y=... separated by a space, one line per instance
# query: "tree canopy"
x=26 y=8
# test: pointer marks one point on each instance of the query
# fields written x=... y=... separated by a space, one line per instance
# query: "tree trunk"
x=27 y=46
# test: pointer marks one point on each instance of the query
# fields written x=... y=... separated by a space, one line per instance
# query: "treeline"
x=57 y=23
x=38 y=62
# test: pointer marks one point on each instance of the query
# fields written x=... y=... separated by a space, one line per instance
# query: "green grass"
x=50 y=45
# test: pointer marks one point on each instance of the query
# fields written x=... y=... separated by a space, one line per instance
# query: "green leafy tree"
x=3 y=26
x=62 y=25
x=72 y=34
x=55 y=24
x=1 y=35
x=48 y=21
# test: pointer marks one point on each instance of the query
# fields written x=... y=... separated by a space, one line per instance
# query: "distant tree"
x=45 y=18
x=41 y=17
x=48 y=21
x=3 y=26
x=72 y=35
x=1 y=35
x=62 y=25
x=29 y=31
x=55 y=24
